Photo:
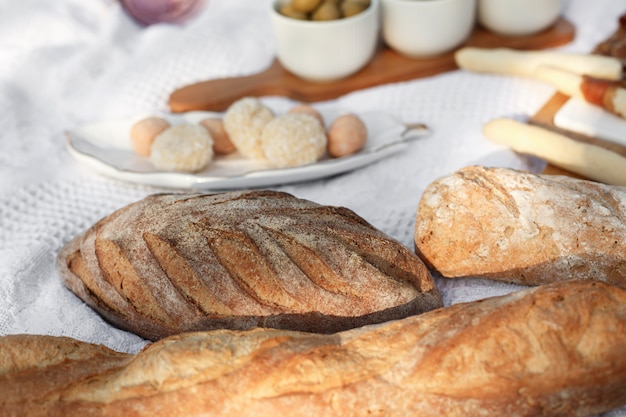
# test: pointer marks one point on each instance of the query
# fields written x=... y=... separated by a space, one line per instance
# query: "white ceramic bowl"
x=326 y=50
x=419 y=28
x=518 y=17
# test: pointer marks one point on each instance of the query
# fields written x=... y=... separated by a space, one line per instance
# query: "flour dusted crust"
x=555 y=350
x=521 y=227
x=180 y=262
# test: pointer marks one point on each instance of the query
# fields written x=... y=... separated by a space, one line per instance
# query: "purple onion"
x=148 y=12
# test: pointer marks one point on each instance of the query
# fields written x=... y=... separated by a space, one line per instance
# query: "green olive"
x=289 y=11
x=351 y=8
x=305 y=6
x=326 y=11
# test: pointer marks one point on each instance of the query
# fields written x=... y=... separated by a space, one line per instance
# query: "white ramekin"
x=518 y=17
x=326 y=50
x=419 y=28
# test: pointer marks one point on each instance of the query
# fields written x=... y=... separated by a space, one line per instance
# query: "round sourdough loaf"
x=520 y=227
x=172 y=263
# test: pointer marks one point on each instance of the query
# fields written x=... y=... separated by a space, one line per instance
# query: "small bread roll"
x=293 y=139
x=346 y=135
x=244 y=122
x=222 y=144
x=143 y=133
x=520 y=227
x=305 y=108
x=187 y=148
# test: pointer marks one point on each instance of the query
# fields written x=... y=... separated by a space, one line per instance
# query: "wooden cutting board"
x=387 y=66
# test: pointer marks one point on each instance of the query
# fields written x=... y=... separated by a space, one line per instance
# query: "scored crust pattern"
x=172 y=263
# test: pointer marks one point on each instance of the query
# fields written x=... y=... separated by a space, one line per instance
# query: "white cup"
x=326 y=50
x=420 y=28
x=518 y=17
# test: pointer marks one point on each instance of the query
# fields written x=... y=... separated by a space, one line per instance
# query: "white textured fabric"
x=68 y=62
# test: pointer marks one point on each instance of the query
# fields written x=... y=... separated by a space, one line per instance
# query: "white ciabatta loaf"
x=554 y=350
x=174 y=262
x=521 y=227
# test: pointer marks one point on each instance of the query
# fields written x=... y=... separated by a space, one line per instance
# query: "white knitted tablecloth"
x=68 y=62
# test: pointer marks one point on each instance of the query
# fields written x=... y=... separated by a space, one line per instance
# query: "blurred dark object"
x=615 y=45
x=148 y=12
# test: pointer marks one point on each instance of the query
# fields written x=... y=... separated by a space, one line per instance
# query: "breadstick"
x=507 y=61
x=603 y=93
x=593 y=162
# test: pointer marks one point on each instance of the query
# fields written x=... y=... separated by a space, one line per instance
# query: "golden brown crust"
x=173 y=263
x=553 y=350
x=520 y=227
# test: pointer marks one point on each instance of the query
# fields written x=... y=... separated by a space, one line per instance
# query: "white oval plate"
x=105 y=148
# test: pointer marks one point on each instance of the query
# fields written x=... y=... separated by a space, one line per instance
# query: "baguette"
x=173 y=263
x=524 y=228
x=554 y=350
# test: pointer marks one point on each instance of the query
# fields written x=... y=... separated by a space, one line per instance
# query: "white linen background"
x=68 y=62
